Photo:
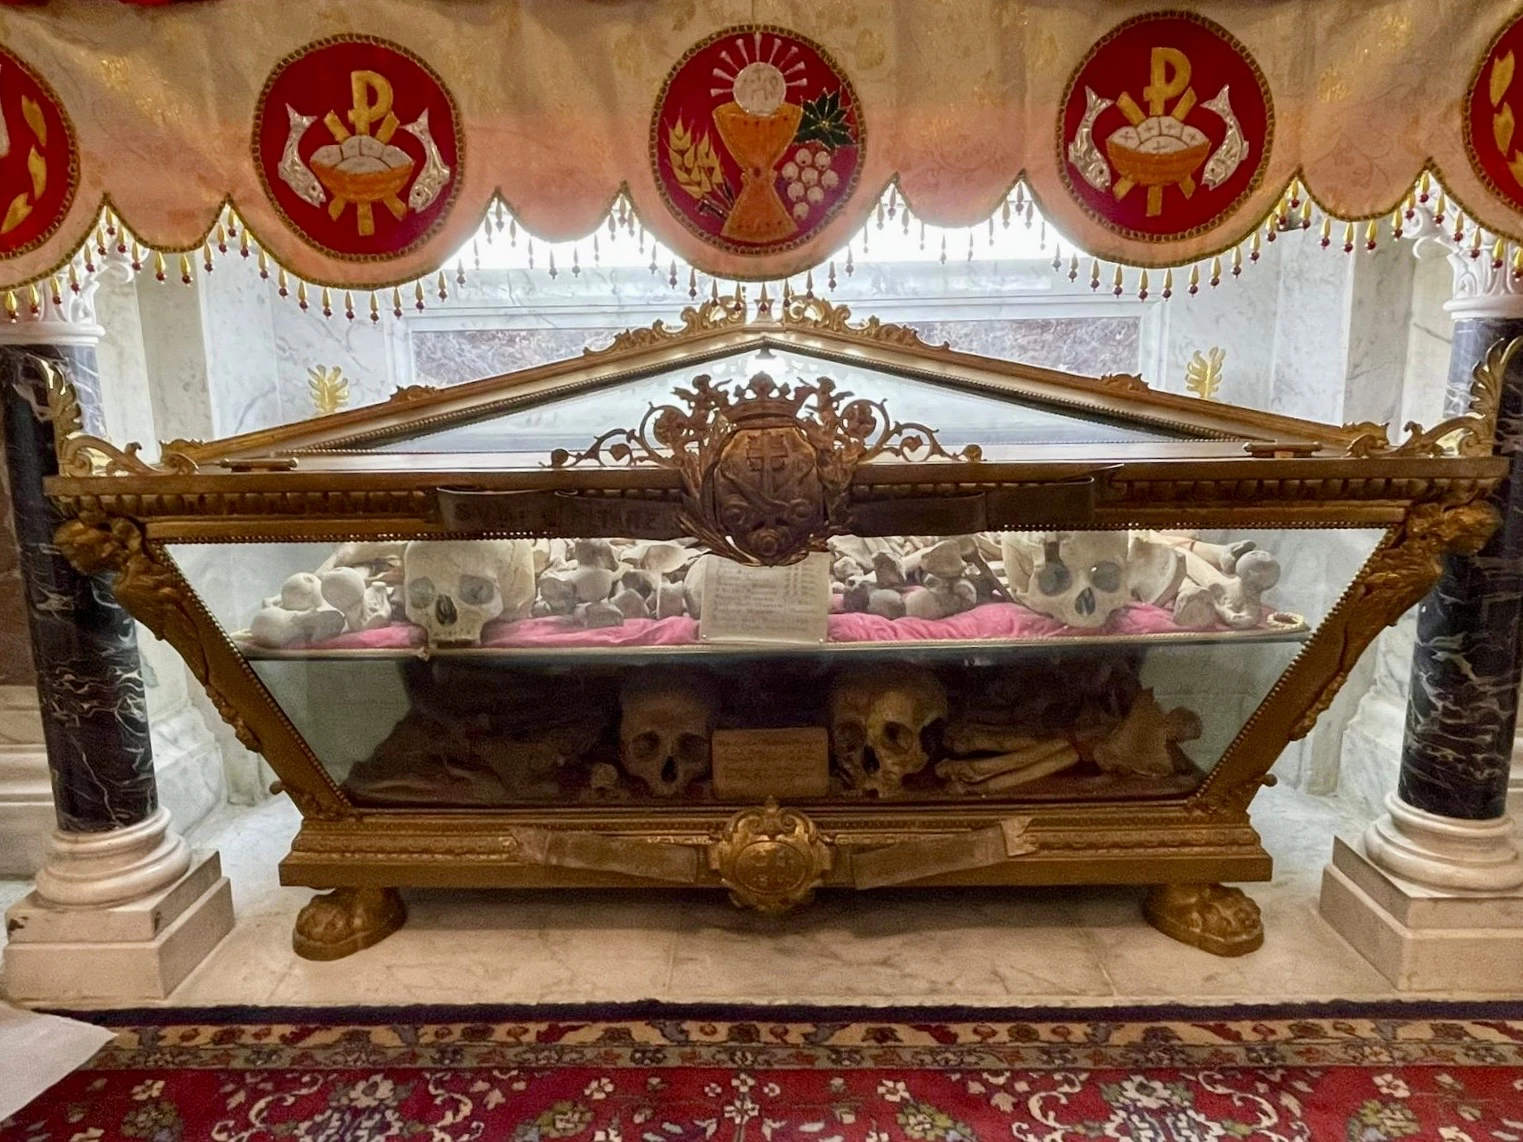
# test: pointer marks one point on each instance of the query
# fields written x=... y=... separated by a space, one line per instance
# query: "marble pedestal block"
x=1422 y=938
x=26 y=793
x=135 y=951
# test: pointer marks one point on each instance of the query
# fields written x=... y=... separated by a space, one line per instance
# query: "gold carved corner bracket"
x=1470 y=435
x=771 y=859
x=81 y=454
x=766 y=469
x=150 y=590
x=153 y=592
x=1400 y=572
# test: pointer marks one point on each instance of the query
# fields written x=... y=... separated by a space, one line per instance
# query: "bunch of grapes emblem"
x=808 y=173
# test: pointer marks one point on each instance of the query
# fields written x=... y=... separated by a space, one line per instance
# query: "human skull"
x=1077 y=577
x=879 y=723
x=453 y=588
x=665 y=724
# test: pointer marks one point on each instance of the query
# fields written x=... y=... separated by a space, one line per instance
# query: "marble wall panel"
x=1081 y=345
x=367 y=352
x=174 y=355
x=1093 y=346
x=448 y=357
x=1237 y=316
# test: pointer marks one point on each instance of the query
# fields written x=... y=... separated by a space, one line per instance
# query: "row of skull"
x=452 y=589
x=885 y=723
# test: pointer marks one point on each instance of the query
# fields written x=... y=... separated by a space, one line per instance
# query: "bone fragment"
x=924 y=603
x=596 y=553
x=1194 y=608
x=670 y=600
x=558 y=594
x=592 y=583
x=945 y=560
x=631 y=604
x=303 y=591
x=888 y=569
x=1155 y=570
x=600 y=614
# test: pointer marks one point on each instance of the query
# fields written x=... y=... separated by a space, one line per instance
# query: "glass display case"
x=772 y=604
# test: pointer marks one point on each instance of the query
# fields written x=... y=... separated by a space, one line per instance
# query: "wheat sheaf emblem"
x=1503 y=123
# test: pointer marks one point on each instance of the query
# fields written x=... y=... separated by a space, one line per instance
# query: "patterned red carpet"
x=649 y=1073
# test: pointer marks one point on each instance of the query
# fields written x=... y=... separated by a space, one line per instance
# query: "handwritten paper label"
x=752 y=765
x=766 y=604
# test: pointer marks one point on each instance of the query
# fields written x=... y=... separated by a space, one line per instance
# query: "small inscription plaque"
x=766 y=604
x=752 y=765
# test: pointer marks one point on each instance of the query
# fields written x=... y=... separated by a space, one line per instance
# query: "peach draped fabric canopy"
x=363 y=141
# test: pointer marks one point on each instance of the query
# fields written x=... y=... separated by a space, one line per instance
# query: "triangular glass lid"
x=998 y=420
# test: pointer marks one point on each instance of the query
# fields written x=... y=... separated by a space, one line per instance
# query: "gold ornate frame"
x=1242 y=469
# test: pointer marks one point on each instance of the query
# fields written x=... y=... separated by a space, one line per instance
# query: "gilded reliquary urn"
x=775 y=604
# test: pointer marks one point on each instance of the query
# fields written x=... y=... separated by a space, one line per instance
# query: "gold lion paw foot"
x=347 y=920
x=1212 y=917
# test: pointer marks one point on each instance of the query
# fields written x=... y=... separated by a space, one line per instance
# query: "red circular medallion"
x=1166 y=126
x=39 y=159
x=756 y=139
x=1492 y=138
x=358 y=145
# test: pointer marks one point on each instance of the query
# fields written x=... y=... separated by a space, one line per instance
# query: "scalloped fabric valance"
x=363 y=141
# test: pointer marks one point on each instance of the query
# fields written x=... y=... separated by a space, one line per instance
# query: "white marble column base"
x=1444 y=852
x=1422 y=938
x=26 y=790
x=94 y=869
x=133 y=951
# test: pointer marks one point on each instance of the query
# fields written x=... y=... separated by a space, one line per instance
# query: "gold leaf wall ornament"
x=329 y=389
x=1203 y=374
x=1470 y=435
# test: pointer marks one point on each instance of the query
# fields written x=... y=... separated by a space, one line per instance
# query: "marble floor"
x=1025 y=947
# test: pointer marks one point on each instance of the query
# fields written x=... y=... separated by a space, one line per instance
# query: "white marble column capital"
x=1482 y=287
x=67 y=320
x=67 y=317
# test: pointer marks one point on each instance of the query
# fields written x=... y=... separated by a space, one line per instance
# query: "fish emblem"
x=1082 y=151
x=293 y=172
x=435 y=174
x=1234 y=149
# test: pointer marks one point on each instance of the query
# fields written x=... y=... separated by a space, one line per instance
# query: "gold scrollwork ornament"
x=766 y=468
x=771 y=859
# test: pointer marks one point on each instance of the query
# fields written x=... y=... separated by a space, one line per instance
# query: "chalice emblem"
x=783 y=149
